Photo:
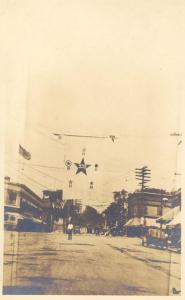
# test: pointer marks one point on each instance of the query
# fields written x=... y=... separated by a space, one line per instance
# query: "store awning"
x=148 y=222
x=134 y=222
x=169 y=216
x=176 y=220
x=151 y=223
x=32 y=219
x=15 y=214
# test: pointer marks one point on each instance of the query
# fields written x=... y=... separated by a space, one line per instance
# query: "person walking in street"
x=70 y=231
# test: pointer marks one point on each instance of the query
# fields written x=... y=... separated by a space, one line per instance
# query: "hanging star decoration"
x=82 y=167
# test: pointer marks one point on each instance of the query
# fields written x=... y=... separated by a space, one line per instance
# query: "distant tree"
x=71 y=210
x=112 y=213
x=119 y=213
x=91 y=217
x=120 y=195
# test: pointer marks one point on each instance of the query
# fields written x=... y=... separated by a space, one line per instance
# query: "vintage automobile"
x=113 y=231
x=117 y=231
x=174 y=237
x=155 y=237
x=77 y=230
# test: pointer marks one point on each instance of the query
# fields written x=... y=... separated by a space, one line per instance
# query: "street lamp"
x=68 y=164
x=83 y=151
x=96 y=167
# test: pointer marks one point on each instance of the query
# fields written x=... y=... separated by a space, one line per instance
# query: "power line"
x=38 y=165
x=47 y=136
x=82 y=136
x=128 y=135
x=59 y=135
x=44 y=166
x=33 y=180
x=35 y=187
x=45 y=174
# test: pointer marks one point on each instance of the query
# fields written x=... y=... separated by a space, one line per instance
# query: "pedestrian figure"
x=70 y=231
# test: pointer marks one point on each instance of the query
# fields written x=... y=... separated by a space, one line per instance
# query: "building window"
x=152 y=211
x=12 y=198
x=6 y=217
x=12 y=218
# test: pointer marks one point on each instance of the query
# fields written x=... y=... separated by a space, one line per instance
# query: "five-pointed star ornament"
x=82 y=167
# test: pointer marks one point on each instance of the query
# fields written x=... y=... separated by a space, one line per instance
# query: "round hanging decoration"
x=68 y=164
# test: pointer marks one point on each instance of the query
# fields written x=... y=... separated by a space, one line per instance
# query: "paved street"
x=47 y=263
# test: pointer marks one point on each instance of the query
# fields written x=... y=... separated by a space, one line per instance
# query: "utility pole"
x=161 y=225
x=143 y=176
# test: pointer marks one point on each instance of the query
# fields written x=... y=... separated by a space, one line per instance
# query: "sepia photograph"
x=92 y=173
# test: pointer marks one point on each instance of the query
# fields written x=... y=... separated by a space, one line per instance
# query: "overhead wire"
x=31 y=179
x=45 y=174
x=42 y=185
x=45 y=134
x=36 y=165
x=81 y=136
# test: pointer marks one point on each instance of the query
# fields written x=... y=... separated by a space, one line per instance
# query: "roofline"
x=157 y=194
x=27 y=189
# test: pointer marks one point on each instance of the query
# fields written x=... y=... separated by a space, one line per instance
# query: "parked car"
x=117 y=231
x=174 y=237
x=77 y=229
x=98 y=230
x=155 y=237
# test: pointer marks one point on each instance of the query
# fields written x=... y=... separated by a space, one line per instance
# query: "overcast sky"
x=94 y=68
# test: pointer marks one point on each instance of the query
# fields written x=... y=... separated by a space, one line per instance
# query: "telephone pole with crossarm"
x=143 y=176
